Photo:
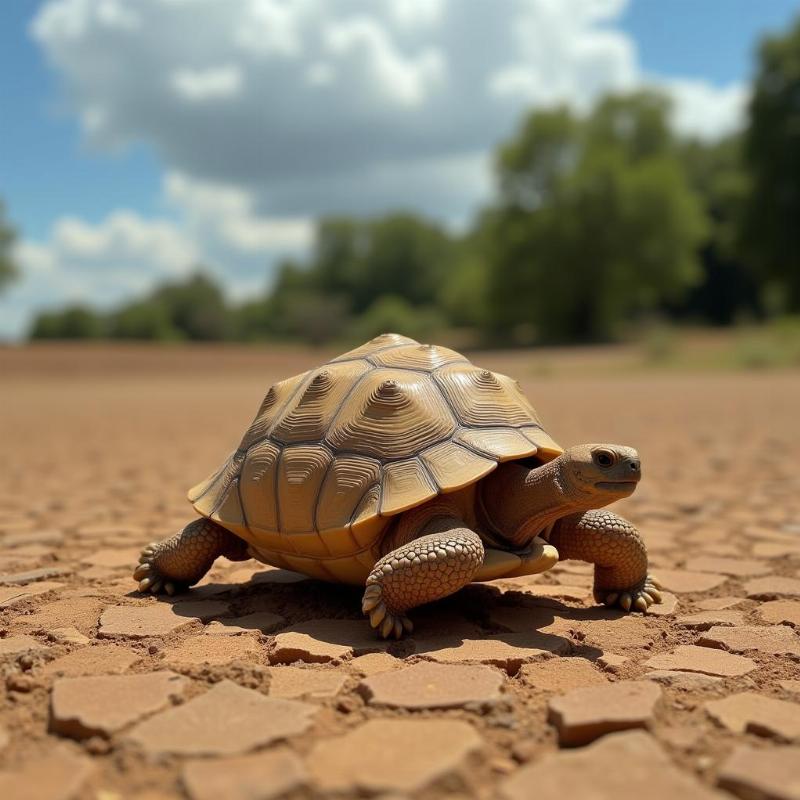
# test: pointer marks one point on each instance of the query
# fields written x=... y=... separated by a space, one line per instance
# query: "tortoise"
x=404 y=468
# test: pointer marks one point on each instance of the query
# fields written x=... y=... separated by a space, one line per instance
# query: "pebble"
x=213 y=650
x=690 y=658
x=156 y=619
x=509 y=651
x=385 y=755
x=561 y=674
x=687 y=681
x=259 y=621
x=67 y=636
x=226 y=720
x=617 y=634
x=68 y=611
x=60 y=774
x=756 y=713
x=781 y=612
x=718 y=603
x=321 y=640
x=772 y=640
x=14 y=645
x=103 y=659
x=433 y=685
x=294 y=682
x=612 y=661
x=374 y=664
x=260 y=776
x=703 y=620
x=762 y=774
x=583 y=715
x=32 y=575
x=683 y=581
x=772 y=587
x=622 y=766
x=100 y=706
x=13 y=595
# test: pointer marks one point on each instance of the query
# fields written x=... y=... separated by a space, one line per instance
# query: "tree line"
x=599 y=222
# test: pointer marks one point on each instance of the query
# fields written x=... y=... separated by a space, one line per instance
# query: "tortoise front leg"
x=429 y=568
x=183 y=559
x=618 y=552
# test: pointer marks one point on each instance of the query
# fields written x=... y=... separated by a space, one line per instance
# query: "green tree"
x=195 y=308
x=727 y=289
x=771 y=232
x=595 y=222
x=399 y=254
x=143 y=320
x=396 y=315
x=74 y=322
x=8 y=267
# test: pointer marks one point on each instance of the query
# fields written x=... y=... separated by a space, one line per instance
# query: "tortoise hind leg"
x=183 y=559
x=428 y=568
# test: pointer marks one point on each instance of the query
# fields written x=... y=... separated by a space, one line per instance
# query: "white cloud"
x=267 y=113
x=376 y=66
x=126 y=255
x=228 y=213
x=706 y=111
x=304 y=102
x=199 y=85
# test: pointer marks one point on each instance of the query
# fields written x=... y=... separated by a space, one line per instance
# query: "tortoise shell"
x=334 y=452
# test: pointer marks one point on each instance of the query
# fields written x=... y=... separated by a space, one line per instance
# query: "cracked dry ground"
x=261 y=684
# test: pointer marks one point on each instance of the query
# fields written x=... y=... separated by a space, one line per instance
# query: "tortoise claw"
x=639 y=598
x=386 y=622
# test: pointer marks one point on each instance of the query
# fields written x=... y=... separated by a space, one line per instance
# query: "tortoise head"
x=599 y=474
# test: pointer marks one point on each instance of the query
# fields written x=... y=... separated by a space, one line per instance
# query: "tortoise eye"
x=604 y=458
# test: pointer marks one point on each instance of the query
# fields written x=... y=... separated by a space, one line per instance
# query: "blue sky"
x=121 y=136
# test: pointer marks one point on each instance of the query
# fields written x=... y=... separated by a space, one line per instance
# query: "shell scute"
x=481 y=398
x=424 y=357
x=257 y=486
x=405 y=484
x=391 y=414
x=348 y=479
x=382 y=342
x=208 y=494
x=273 y=404
x=453 y=466
x=301 y=470
x=308 y=415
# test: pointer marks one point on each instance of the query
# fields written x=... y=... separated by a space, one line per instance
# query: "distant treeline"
x=599 y=222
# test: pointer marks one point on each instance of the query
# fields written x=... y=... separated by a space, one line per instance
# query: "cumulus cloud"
x=305 y=104
x=267 y=113
x=703 y=110
x=199 y=85
x=125 y=255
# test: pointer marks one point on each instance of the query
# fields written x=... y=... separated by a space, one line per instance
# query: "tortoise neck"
x=522 y=502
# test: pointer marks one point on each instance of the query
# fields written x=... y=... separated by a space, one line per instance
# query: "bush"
x=145 y=321
x=776 y=344
x=74 y=322
x=393 y=314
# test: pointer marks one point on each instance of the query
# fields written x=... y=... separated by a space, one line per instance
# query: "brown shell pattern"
x=376 y=431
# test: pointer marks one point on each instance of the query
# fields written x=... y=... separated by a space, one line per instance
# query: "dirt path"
x=262 y=684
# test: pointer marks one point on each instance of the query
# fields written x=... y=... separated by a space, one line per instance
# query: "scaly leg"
x=433 y=566
x=616 y=549
x=183 y=559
